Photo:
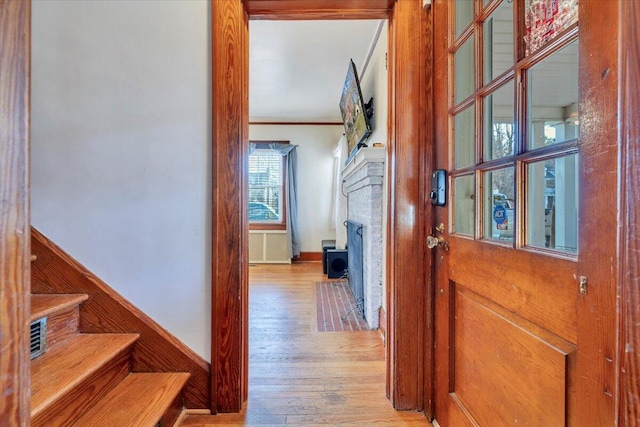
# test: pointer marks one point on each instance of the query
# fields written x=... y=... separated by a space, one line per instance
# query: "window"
x=515 y=123
x=266 y=188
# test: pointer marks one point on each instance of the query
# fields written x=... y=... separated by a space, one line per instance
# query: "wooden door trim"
x=629 y=276
x=318 y=9
x=229 y=228
x=410 y=327
x=410 y=154
x=15 y=246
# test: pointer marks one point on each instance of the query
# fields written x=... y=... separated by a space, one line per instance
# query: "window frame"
x=522 y=155
x=282 y=223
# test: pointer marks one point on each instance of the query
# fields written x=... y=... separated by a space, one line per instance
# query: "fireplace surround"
x=363 y=178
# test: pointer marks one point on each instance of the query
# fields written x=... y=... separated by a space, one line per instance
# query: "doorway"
x=406 y=375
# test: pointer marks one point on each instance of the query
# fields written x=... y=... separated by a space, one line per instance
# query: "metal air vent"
x=38 y=337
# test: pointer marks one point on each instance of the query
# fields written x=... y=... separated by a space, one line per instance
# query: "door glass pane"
x=499 y=124
x=464 y=15
x=499 y=204
x=553 y=98
x=552 y=204
x=498 y=41
x=463 y=59
x=464 y=189
x=546 y=19
x=464 y=137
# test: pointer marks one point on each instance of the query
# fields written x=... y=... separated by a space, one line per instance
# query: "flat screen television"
x=355 y=113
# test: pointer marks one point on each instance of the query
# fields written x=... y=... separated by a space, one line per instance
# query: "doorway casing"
x=410 y=335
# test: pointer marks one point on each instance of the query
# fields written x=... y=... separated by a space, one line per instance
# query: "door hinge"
x=583 y=285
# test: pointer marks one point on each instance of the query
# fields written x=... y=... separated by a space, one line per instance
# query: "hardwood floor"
x=299 y=376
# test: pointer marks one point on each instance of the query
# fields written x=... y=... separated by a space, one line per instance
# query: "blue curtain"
x=291 y=157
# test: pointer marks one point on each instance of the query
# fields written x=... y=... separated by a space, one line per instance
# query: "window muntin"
x=266 y=179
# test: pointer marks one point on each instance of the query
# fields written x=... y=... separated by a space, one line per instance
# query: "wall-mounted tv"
x=355 y=113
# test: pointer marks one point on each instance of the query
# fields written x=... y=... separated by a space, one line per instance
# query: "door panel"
x=538 y=288
x=500 y=357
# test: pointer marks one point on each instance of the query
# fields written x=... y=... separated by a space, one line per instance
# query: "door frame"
x=15 y=242
x=410 y=334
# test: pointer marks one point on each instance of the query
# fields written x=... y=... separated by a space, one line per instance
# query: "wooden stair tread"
x=46 y=304
x=65 y=366
x=139 y=400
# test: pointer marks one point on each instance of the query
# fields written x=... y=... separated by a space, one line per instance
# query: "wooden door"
x=525 y=284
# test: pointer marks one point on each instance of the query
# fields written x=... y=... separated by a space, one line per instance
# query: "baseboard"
x=308 y=256
x=185 y=412
x=106 y=311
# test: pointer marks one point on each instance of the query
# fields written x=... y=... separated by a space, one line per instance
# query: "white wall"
x=315 y=176
x=375 y=83
x=120 y=149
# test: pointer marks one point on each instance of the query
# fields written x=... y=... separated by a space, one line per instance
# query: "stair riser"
x=62 y=325
x=173 y=412
x=70 y=407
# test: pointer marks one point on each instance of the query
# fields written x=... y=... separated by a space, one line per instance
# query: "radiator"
x=268 y=246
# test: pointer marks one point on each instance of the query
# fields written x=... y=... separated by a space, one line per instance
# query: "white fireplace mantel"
x=362 y=157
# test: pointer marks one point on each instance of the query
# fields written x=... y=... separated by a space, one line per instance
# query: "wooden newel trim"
x=407 y=263
x=229 y=30
x=15 y=249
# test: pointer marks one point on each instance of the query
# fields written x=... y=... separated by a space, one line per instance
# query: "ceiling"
x=297 y=68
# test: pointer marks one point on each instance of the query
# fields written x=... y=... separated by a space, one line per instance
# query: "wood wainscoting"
x=106 y=311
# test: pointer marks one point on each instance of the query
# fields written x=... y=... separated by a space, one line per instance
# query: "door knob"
x=433 y=240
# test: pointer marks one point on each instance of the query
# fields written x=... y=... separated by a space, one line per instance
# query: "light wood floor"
x=299 y=376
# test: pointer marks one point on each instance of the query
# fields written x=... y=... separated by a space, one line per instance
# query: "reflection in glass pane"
x=499 y=127
x=463 y=61
x=546 y=19
x=553 y=98
x=464 y=15
x=552 y=204
x=498 y=42
x=463 y=189
x=464 y=131
x=499 y=204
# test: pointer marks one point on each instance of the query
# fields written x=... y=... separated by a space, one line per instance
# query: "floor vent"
x=38 y=337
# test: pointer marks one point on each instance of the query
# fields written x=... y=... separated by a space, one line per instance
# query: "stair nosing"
x=72 y=300
x=47 y=401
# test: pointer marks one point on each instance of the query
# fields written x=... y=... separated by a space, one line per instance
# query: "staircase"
x=86 y=380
